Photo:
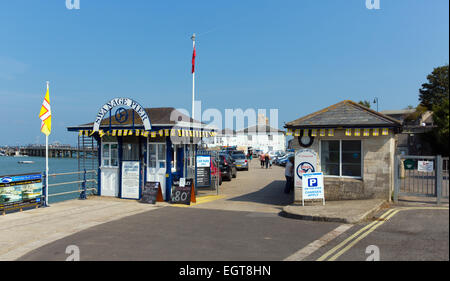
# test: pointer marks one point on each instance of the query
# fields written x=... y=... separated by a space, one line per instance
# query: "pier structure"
x=55 y=151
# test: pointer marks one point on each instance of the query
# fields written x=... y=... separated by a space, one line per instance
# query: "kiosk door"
x=156 y=169
x=109 y=170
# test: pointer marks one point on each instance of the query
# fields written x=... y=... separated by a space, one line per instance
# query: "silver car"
x=240 y=160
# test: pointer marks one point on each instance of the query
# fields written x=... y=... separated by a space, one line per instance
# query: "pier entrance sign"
x=116 y=102
x=312 y=187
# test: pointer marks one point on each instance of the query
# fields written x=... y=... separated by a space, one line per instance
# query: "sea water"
x=10 y=165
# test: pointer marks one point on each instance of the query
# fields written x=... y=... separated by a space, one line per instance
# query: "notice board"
x=203 y=171
x=130 y=179
x=19 y=191
x=150 y=192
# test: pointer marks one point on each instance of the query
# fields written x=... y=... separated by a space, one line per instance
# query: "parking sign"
x=312 y=187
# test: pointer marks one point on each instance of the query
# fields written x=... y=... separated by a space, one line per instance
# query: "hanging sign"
x=425 y=166
x=305 y=162
x=120 y=113
x=130 y=179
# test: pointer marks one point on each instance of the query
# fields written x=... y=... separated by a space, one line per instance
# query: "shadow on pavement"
x=271 y=194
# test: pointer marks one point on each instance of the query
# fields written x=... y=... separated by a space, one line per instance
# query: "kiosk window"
x=157 y=155
x=341 y=158
x=110 y=155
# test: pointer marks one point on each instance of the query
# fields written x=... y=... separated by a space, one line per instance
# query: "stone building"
x=355 y=147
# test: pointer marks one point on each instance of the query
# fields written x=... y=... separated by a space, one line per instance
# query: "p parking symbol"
x=312 y=182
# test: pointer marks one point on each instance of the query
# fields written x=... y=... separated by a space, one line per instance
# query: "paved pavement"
x=347 y=211
x=22 y=232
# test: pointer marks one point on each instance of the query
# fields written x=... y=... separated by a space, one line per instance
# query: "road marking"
x=332 y=251
x=341 y=252
x=370 y=228
x=313 y=246
x=200 y=200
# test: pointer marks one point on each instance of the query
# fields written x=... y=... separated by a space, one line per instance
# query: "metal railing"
x=84 y=187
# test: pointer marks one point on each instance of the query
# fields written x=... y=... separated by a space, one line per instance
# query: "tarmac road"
x=172 y=233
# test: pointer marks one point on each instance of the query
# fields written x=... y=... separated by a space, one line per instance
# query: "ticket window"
x=109 y=169
x=156 y=167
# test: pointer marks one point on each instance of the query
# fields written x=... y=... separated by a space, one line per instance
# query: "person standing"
x=261 y=158
x=289 y=174
x=266 y=160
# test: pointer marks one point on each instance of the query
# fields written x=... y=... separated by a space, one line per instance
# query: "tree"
x=434 y=96
x=365 y=103
x=436 y=90
x=441 y=120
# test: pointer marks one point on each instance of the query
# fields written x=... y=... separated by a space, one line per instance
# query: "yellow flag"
x=46 y=115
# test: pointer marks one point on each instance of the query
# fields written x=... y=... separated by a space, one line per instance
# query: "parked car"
x=215 y=171
x=227 y=166
x=240 y=160
x=283 y=160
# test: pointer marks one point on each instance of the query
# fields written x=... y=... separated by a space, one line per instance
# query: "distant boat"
x=25 y=162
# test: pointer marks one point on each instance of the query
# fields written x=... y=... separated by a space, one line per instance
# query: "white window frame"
x=109 y=158
x=157 y=158
x=340 y=158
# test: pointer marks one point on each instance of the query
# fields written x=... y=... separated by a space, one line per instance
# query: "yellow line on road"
x=359 y=235
x=200 y=200
x=333 y=258
x=330 y=252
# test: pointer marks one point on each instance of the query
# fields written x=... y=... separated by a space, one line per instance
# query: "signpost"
x=312 y=187
x=130 y=179
x=203 y=171
x=305 y=162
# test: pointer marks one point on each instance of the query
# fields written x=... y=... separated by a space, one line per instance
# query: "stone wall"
x=378 y=169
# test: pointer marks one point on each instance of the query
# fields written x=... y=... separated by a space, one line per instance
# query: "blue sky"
x=297 y=56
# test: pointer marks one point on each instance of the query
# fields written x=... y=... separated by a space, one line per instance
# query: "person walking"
x=266 y=160
x=289 y=174
x=261 y=158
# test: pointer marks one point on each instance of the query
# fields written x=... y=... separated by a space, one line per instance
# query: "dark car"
x=240 y=160
x=227 y=166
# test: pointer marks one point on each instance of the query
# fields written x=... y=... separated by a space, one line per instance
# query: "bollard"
x=83 y=187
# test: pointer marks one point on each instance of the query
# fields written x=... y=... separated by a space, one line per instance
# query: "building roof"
x=398 y=112
x=260 y=129
x=159 y=116
x=346 y=114
x=228 y=132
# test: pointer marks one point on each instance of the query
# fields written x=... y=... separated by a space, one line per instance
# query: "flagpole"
x=46 y=164
x=193 y=80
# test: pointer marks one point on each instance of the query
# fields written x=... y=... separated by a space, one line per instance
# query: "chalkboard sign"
x=182 y=194
x=150 y=192
x=203 y=172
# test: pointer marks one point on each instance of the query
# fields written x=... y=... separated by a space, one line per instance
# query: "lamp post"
x=375 y=100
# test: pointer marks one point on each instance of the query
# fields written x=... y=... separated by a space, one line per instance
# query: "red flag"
x=193 y=60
